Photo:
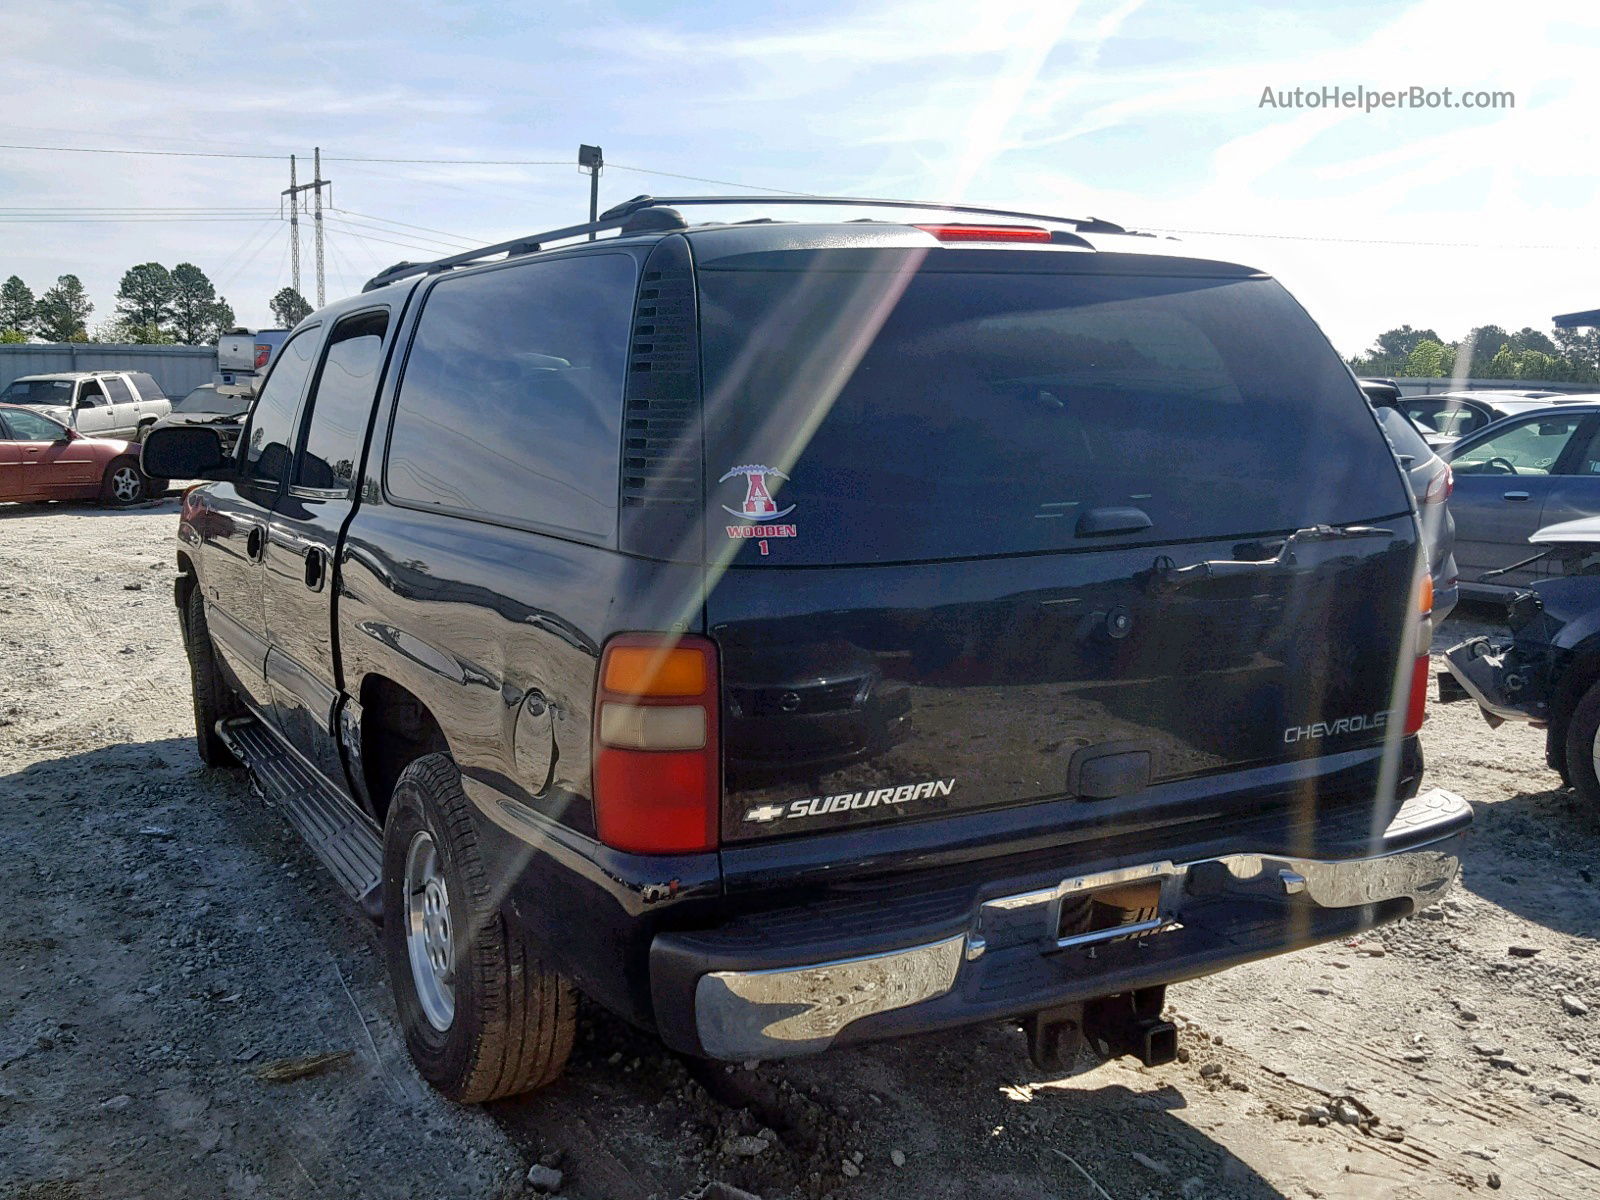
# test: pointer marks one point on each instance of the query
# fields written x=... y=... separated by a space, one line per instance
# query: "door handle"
x=1516 y=495
x=316 y=567
x=255 y=543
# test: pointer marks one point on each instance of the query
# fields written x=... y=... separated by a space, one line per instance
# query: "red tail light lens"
x=987 y=233
x=262 y=354
x=1417 y=704
x=1440 y=487
x=657 y=759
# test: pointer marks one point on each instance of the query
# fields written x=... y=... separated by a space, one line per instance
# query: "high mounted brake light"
x=986 y=233
x=657 y=780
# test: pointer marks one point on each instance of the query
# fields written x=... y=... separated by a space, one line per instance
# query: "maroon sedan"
x=41 y=459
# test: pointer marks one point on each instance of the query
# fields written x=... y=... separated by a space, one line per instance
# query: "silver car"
x=1515 y=477
x=1430 y=483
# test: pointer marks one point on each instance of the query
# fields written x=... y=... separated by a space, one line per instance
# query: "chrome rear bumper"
x=786 y=1011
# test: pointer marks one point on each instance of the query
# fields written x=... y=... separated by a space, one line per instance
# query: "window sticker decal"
x=758 y=502
x=758 y=507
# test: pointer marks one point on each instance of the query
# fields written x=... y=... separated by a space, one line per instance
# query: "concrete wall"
x=176 y=368
x=1428 y=387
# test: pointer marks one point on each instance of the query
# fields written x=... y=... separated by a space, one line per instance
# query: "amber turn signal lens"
x=655 y=671
x=1427 y=594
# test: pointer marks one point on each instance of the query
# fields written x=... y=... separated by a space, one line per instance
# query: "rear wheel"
x=1583 y=748
x=483 y=1015
x=214 y=700
x=123 y=483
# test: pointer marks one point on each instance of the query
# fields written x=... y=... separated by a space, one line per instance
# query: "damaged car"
x=1547 y=671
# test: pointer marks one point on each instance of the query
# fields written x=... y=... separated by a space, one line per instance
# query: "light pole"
x=591 y=160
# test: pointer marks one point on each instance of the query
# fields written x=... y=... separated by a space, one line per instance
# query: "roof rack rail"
x=638 y=203
x=660 y=214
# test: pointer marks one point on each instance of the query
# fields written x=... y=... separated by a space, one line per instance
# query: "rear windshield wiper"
x=1165 y=576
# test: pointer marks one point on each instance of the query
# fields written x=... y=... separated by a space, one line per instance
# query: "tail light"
x=1417 y=705
x=1440 y=487
x=657 y=778
x=987 y=233
x=262 y=354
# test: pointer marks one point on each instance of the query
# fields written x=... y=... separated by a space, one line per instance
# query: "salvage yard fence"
x=177 y=369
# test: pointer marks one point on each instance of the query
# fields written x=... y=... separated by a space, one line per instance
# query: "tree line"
x=155 y=306
x=1487 y=352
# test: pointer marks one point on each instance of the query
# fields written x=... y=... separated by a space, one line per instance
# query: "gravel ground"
x=170 y=949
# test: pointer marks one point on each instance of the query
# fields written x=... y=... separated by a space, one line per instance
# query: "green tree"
x=1502 y=366
x=1580 y=347
x=131 y=333
x=1529 y=338
x=1399 y=343
x=18 y=308
x=1426 y=360
x=63 y=312
x=199 y=315
x=1481 y=347
x=144 y=297
x=12 y=337
x=289 y=308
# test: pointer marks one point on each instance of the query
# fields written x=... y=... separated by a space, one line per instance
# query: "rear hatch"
x=953 y=494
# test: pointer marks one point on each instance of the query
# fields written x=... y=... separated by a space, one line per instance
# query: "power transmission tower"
x=293 y=192
x=317 y=184
x=294 y=226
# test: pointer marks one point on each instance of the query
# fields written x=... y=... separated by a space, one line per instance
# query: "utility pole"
x=293 y=192
x=590 y=159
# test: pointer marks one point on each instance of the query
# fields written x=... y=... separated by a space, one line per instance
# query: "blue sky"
x=1143 y=111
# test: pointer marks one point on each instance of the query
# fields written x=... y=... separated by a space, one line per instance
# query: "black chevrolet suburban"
x=789 y=633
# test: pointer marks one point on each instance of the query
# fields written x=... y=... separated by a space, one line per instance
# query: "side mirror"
x=185 y=452
x=71 y=435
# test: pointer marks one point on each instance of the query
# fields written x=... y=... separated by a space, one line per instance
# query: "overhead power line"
x=152 y=153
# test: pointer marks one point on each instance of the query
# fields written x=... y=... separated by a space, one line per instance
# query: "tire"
x=510 y=1020
x=214 y=700
x=1581 y=733
x=123 y=483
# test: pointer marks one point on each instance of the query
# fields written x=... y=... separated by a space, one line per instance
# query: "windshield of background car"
x=882 y=416
x=208 y=400
x=38 y=391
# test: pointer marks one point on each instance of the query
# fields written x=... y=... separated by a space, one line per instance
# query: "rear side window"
x=146 y=386
x=856 y=417
x=1403 y=436
x=341 y=403
x=510 y=407
x=118 y=391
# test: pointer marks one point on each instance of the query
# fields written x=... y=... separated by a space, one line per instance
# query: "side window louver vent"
x=662 y=488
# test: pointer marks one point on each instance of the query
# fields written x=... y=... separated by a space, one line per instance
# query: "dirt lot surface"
x=168 y=948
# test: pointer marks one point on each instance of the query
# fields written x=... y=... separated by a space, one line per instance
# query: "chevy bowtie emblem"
x=758 y=502
x=766 y=812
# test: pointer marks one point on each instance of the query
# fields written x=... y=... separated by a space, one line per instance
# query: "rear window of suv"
x=876 y=416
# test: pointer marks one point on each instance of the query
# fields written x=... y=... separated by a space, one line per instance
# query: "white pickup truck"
x=109 y=404
x=243 y=358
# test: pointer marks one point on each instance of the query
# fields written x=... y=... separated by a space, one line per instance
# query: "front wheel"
x=122 y=484
x=483 y=1015
x=1583 y=748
